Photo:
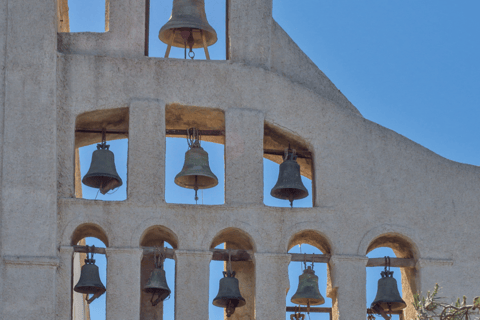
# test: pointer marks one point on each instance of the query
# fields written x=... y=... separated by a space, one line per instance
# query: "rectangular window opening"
x=83 y=15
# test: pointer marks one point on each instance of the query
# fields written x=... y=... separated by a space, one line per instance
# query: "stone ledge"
x=426 y=262
x=32 y=261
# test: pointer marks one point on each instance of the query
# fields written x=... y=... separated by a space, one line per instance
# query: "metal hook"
x=103 y=145
x=229 y=266
x=193 y=137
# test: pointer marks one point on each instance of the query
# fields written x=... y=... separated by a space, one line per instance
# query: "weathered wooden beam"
x=100 y=131
x=370 y=311
x=300 y=154
x=180 y=132
x=394 y=262
x=236 y=255
x=246 y=255
x=312 y=309
x=83 y=249
x=321 y=258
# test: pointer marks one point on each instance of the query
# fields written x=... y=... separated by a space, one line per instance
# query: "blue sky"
x=411 y=66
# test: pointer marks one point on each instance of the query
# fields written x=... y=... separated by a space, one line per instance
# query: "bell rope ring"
x=89 y=282
x=388 y=297
x=157 y=283
x=289 y=185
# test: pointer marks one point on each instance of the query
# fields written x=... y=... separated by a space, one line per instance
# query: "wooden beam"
x=100 y=131
x=300 y=154
x=394 y=262
x=370 y=311
x=180 y=132
x=84 y=249
x=247 y=255
x=322 y=258
x=312 y=309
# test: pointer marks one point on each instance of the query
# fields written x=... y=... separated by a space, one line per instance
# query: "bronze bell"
x=102 y=173
x=229 y=296
x=308 y=293
x=388 y=298
x=89 y=282
x=188 y=25
x=289 y=185
x=157 y=284
x=196 y=173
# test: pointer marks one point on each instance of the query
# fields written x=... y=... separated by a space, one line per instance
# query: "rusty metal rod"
x=101 y=131
x=394 y=262
x=321 y=258
x=370 y=311
x=180 y=132
x=312 y=309
x=83 y=249
x=300 y=154
x=246 y=255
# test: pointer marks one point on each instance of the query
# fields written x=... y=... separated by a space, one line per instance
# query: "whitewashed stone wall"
x=369 y=181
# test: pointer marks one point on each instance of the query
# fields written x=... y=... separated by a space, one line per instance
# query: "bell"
x=188 y=16
x=308 y=292
x=388 y=298
x=229 y=296
x=157 y=285
x=89 y=282
x=196 y=173
x=102 y=173
x=289 y=185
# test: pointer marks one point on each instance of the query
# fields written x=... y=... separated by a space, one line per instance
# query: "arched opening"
x=233 y=238
x=83 y=15
x=89 y=235
x=394 y=246
x=277 y=144
x=309 y=242
x=159 y=12
x=211 y=126
x=162 y=238
x=91 y=128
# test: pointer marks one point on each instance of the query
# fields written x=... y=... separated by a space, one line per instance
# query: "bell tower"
x=371 y=187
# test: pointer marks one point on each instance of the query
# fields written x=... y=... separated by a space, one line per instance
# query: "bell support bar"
x=180 y=132
x=171 y=132
x=329 y=310
x=299 y=153
x=246 y=255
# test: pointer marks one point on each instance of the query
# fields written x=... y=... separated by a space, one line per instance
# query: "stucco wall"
x=369 y=181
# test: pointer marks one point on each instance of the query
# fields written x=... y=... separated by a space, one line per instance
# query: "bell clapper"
x=195 y=187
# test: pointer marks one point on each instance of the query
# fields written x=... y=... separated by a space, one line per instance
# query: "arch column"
x=271 y=285
x=146 y=152
x=244 y=19
x=348 y=279
x=191 y=284
x=123 y=283
x=244 y=154
x=64 y=283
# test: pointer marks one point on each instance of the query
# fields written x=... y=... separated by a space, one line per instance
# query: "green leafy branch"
x=432 y=308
